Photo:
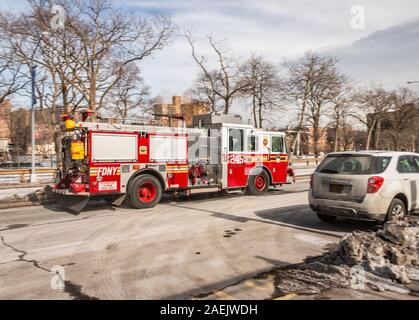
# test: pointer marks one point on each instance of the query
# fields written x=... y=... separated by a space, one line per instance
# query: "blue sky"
x=284 y=29
x=385 y=52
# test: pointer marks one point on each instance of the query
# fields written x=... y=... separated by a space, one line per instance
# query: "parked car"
x=375 y=185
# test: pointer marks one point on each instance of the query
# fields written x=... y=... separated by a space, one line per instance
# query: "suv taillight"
x=374 y=184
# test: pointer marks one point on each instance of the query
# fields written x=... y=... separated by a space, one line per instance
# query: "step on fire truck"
x=137 y=163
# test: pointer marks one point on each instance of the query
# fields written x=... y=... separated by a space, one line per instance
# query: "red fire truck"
x=138 y=163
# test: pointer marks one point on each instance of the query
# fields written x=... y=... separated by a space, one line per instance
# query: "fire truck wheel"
x=258 y=184
x=145 y=191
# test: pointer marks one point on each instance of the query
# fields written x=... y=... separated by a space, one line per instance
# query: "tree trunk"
x=58 y=146
x=227 y=105
x=396 y=142
x=370 y=131
x=316 y=141
x=300 y=125
x=336 y=140
x=260 y=116
x=377 y=136
x=254 y=112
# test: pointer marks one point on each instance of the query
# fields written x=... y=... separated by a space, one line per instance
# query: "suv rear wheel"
x=396 y=211
x=145 y=191
x=326 y=217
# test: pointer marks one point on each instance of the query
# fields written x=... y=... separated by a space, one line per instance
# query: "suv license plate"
x=336 y=188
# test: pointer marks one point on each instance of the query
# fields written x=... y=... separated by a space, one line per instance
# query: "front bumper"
x=373 y=207
x=67 y=192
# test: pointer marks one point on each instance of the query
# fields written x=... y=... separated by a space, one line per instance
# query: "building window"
x=235 y=140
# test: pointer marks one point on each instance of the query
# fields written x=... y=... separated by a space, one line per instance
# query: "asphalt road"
x=180 y=249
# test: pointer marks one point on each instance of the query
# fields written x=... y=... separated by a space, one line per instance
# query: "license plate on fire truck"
x=107 y=185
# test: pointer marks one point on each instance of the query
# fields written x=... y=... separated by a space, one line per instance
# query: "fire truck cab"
x=138 y=163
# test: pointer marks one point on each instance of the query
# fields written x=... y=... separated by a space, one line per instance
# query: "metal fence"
x=24 y=162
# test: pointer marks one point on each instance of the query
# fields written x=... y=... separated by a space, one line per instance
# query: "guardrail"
x=17 y=176
x=308 y=162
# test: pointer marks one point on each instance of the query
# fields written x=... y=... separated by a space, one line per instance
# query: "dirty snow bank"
x=383 y=260
x=35 y=197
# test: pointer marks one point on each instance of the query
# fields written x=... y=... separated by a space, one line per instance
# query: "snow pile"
x=383 y=260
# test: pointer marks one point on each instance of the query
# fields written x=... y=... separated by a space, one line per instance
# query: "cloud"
x=276 y=29
x=388 y=57
x=385 y=51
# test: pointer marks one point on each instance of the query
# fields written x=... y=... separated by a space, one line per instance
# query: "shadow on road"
x=298 y=217
x=303 y=216
x=208 y=290
x=204 y=196
x=101 y=204
x=92 y=205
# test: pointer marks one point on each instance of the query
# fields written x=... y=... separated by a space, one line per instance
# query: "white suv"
x=376 y=185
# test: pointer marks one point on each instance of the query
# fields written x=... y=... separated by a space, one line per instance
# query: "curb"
x=36 y=198
x=25 y=204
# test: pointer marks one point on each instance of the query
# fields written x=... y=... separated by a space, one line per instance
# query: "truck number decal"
x=236 y=159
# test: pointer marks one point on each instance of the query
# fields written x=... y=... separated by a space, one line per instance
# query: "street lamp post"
x=33 y=177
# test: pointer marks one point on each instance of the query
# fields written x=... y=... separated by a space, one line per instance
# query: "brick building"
x=5 y=109
x=305 y=144
x=186 y=108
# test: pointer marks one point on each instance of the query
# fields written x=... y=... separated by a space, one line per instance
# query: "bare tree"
x=263 y=88
x=224 y=83
x=89 y=55
x=327 y=85
x=11 y=78
x=20 y=131
x=400 y=123
x=85 y=60
x=129 y=95
x=309 y=87
x=109 y=39
x=347 y=134
x=340 y=115
x=370 y=105
x=202 y=91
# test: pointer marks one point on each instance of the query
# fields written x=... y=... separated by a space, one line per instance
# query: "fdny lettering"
x=107 y=171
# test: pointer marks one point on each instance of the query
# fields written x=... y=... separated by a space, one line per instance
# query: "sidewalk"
x=19 y=191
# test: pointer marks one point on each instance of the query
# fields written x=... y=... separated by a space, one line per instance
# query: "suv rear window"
x=354 y=164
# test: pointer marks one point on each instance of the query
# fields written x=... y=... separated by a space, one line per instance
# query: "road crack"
x=72 y=289
x=22 y=254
